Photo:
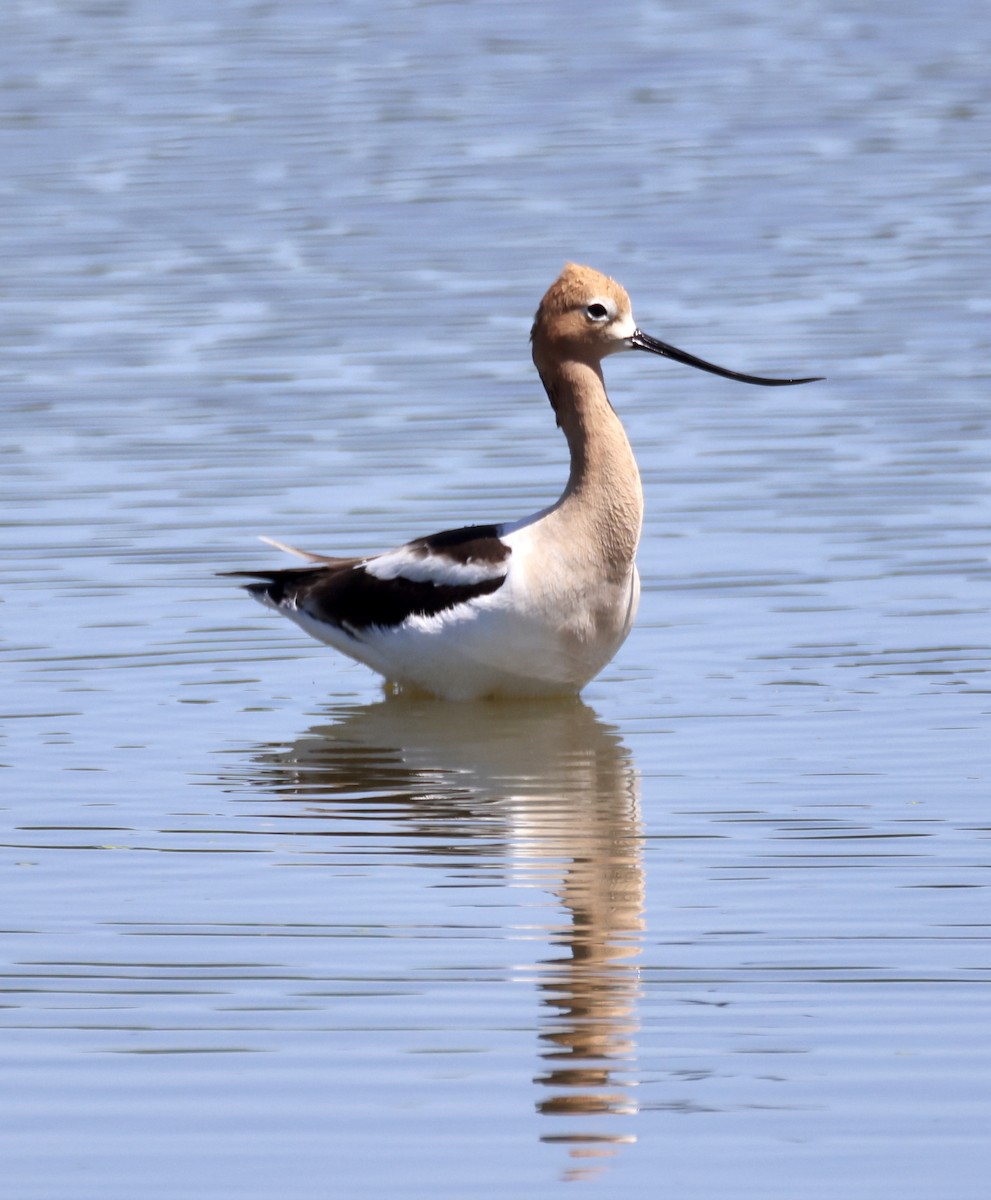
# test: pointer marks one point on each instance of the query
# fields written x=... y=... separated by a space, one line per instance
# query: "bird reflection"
x=549 y=792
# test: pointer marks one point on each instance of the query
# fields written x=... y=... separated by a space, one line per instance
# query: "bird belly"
x=514 y=642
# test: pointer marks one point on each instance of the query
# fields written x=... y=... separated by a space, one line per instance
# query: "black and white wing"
x=423 y=578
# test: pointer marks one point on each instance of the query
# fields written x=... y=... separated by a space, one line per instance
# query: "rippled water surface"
x=721 y=927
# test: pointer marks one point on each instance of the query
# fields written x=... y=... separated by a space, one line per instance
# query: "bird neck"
x=603 y=500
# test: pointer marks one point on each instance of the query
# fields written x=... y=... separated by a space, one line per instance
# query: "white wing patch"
x=431 y=567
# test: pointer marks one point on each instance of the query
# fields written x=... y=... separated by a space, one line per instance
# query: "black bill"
x=641 y=341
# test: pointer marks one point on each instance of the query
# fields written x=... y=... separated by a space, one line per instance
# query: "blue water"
x=719 y=928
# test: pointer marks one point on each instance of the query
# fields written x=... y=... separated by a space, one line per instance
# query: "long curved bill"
x=641 y=341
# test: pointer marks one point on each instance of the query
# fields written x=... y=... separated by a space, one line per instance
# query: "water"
x=719 y=927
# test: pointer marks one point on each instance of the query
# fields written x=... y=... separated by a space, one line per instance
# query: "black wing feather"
x=346 y=595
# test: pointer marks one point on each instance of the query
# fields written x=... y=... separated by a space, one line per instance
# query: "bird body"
x=533 y=608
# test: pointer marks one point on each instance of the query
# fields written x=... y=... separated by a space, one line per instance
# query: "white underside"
x=532 y=637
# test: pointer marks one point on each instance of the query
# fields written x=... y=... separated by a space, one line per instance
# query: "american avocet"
x=530 y=608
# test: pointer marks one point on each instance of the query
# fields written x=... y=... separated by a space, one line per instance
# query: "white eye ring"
x=598 y=310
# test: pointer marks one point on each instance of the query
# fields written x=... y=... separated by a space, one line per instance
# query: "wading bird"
x=534 y=607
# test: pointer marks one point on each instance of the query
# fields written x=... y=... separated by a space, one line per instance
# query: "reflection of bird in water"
x=535 y=607
x=549 y=791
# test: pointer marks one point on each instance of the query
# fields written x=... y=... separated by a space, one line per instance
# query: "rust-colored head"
x=584 y=316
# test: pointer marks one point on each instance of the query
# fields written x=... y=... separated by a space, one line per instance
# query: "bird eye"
x=597 y=312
